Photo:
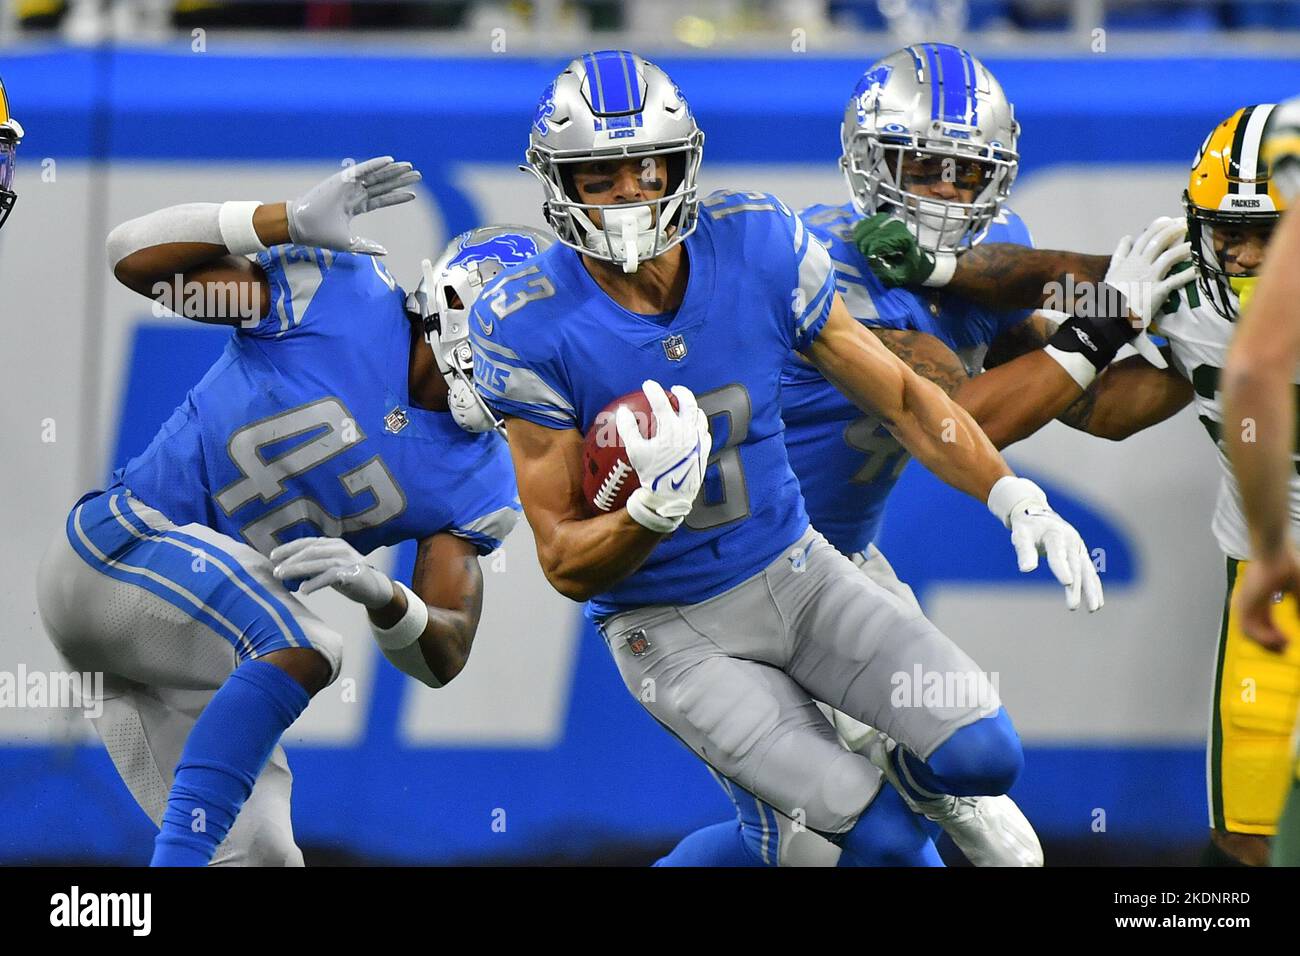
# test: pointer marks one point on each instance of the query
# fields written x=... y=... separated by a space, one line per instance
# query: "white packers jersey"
x=1199 y=338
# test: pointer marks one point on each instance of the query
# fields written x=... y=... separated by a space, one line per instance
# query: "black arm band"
x=1098 y=329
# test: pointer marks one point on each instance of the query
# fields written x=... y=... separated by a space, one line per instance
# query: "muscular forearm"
x=1006 y=276
x=1259 y=405
x=941 y=435
x=585 y=557
x=176 y=240
x=446 y=641
x=1017 y=398
x=1259 y=396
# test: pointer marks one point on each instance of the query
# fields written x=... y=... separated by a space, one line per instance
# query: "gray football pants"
x=737 y=678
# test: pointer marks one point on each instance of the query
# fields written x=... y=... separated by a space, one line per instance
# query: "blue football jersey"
x=554 y=349
x=305 y=426
x=847 y=462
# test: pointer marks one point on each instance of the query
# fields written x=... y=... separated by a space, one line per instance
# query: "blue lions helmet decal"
x=869 y=87
x=445 y=297
x=506 y=248
x=545 y=107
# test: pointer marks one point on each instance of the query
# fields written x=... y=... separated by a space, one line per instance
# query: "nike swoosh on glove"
x=670 y=465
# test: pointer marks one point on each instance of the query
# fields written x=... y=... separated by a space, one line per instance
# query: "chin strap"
x=630 y=234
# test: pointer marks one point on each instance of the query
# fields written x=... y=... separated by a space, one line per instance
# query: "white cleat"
x=989 y=831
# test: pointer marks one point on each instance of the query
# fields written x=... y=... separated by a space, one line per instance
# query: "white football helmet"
x=930 y=100
x=614 y=104
x=448 y=290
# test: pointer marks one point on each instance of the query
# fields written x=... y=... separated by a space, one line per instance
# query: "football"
x=607 y=476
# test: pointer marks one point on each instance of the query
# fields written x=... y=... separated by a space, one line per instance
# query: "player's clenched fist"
x=1038 y=530
x=321 y=562
x=894 y=255
x=670 y=463
x=323 y=215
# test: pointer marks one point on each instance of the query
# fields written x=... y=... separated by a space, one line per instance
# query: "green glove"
x=892 y=252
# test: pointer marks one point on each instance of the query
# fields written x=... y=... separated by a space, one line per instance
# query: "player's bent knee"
x=306 y=665
x=846 y=787
x=985 y=757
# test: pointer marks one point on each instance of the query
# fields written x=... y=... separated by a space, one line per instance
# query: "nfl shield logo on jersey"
x=675 y=347
x=396 y=420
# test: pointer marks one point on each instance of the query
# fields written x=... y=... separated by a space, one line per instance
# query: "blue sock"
x=227 y=749
x=983 y=758
x=722 y=844
x=888 y=834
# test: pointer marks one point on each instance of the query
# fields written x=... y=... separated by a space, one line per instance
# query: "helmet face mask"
x=937 y=107
x=447 y=292
x=1230 y=201
x=1212 y=236
x=613 y=105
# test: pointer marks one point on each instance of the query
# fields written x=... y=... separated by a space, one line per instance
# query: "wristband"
x=1011 y=491
x=408 y=630
x=647 y=517
x=1077 y=366
x=945 y=264
x=235 y=220
x=1094 y=336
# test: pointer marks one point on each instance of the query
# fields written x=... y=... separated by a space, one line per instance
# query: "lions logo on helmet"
x=931 y=100
x=504 y=248
x=11 y=134
x=545 y=107
x=442 y=301
x=1230 y=188
x=613 y=104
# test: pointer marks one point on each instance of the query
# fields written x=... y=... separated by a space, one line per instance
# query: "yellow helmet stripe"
x=4 y=104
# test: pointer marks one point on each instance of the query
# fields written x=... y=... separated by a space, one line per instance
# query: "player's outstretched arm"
x=943 y=437
x=1259 y=425
x=1007 y=276
x=1008 y=403
x=933 y=427
x=425 y=630
x=996 y=275
x=580 y=555
x=166 y=254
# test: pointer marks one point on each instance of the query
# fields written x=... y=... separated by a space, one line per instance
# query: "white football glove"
x=332 y=561
x=1036 y=529
x=322 y=216
x=1139 y=269
x=670 y=466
